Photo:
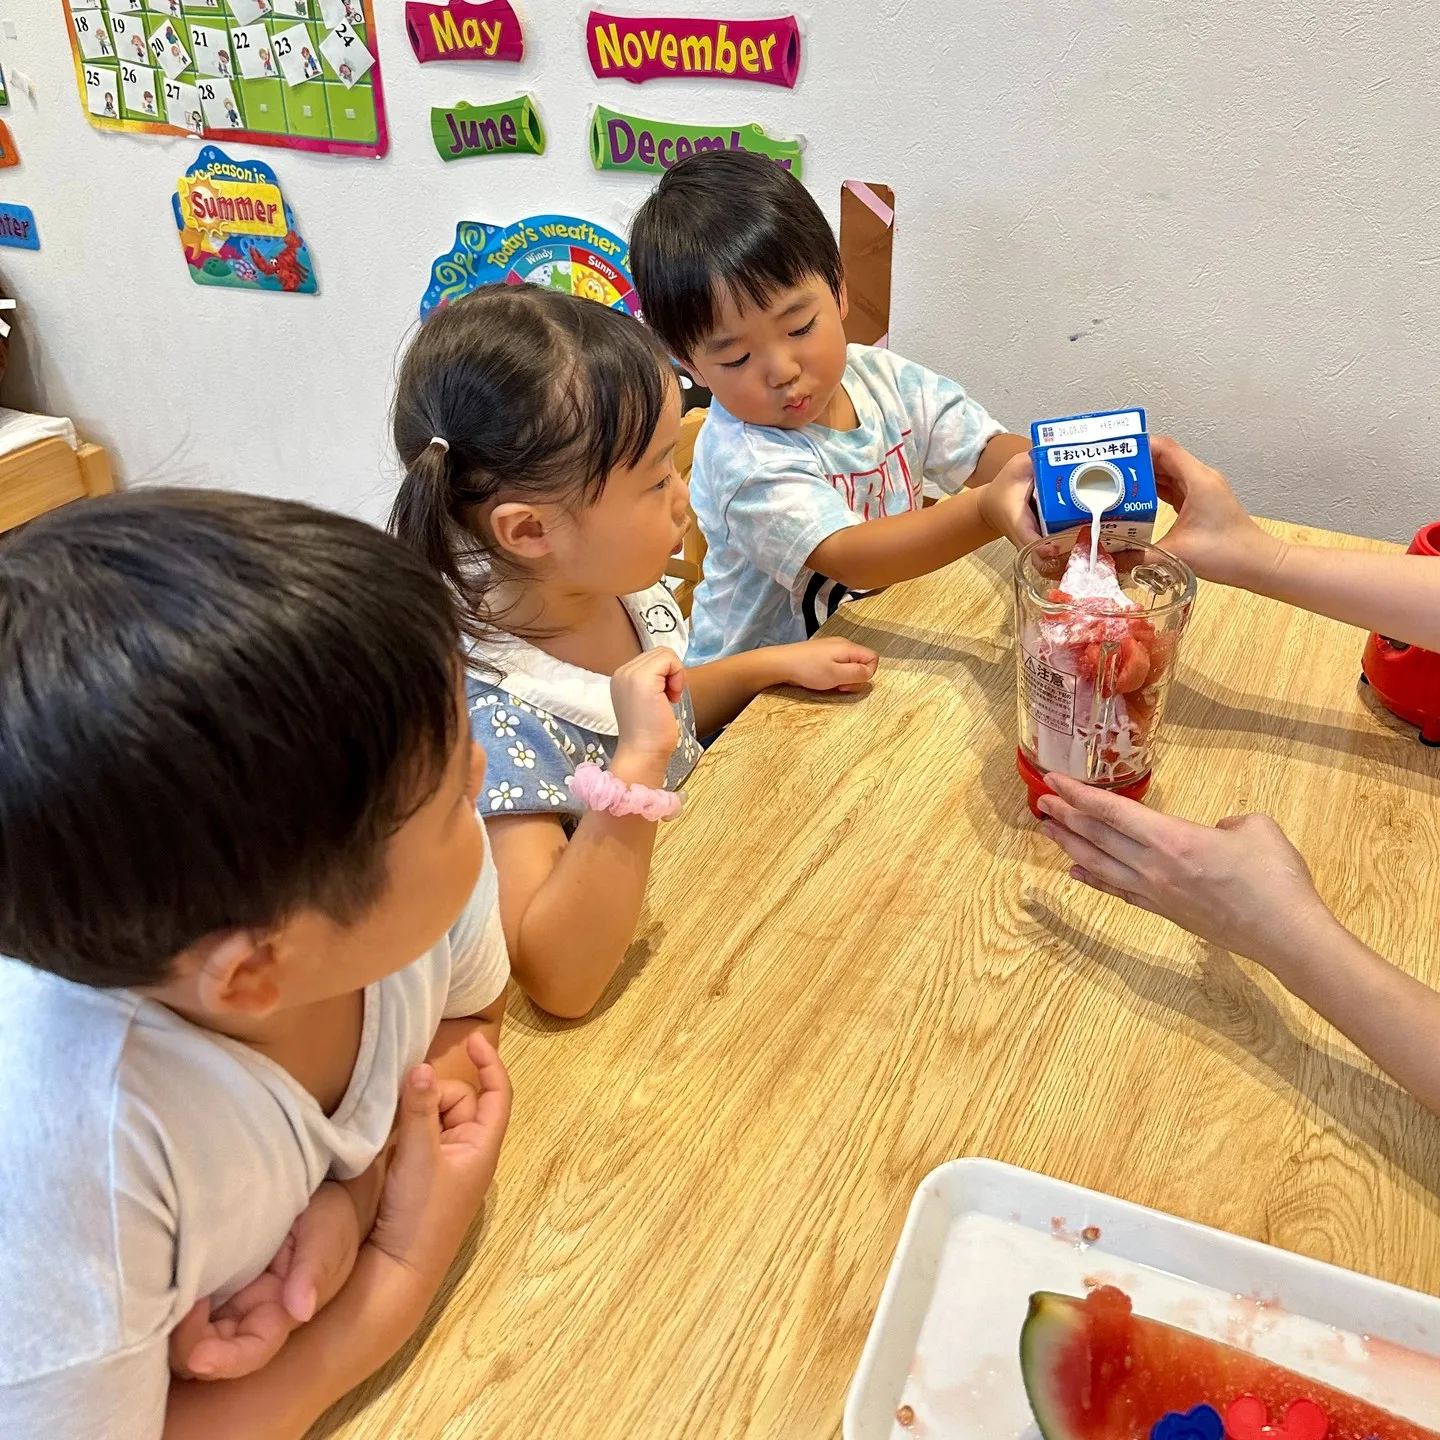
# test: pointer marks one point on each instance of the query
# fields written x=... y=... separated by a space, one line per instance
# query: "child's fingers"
x=846 y=652
x=417 y=1133
x=495 y=1094
x=251 y=1348
x=302 y=1290
x=664 y=665
x=1091 y=858
x=194 y=1326
x=457 y=1103
x=853 y=675
x=1027 y=529
x=324 y=1240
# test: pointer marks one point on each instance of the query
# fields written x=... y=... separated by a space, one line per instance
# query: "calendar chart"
x=298 y=73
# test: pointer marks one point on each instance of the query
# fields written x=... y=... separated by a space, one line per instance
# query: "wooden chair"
x=49 y=473
x=688 y=567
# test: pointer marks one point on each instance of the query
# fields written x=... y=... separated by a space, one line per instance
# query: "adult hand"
x=1212 y=533
x=1240 y=885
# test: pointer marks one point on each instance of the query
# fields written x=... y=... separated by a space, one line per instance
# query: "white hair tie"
x=441 y=441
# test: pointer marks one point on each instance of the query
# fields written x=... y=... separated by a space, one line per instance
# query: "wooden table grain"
x=857 y=960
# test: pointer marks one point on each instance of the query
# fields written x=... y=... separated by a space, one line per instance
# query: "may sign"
x=637 y=48
x=463 y=30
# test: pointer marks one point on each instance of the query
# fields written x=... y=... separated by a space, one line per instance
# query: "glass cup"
x=1092 y=669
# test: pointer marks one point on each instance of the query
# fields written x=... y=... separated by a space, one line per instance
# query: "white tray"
x=982 y=1236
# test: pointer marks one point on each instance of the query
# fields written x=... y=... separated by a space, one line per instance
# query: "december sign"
x=639 y=48
x=629 y=142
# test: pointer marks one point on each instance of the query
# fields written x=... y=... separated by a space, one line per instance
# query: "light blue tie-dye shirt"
x=765 y=497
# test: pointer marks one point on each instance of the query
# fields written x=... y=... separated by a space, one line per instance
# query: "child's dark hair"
x=725 y=220
x=215 y=710
x=534 y=394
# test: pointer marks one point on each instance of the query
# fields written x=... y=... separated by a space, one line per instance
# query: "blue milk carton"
x=1111 y=441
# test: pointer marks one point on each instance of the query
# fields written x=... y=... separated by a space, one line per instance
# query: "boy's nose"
x=783 y=371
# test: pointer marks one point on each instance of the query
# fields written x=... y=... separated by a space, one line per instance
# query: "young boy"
x=808 y=475
x=1242 y=885
x=245 y=893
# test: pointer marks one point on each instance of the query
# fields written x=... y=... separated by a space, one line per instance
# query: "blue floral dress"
x=543 y=717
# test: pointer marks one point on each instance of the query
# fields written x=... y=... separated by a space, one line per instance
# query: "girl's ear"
x=522 y=529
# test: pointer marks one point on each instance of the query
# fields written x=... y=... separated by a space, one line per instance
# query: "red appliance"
x=1405 y=678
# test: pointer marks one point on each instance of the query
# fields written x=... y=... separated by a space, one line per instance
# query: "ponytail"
x=520 y=392
x=422 y=513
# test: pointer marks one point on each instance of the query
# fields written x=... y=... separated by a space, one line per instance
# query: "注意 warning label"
x=1049 y=695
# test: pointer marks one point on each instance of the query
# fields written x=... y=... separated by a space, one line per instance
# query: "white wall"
x=1233 y=206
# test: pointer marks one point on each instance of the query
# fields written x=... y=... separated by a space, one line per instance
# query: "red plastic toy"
x=1405 y=678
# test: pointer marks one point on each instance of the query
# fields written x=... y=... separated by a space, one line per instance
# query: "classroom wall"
x=1223 y=212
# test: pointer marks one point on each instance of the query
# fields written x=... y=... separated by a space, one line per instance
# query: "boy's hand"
x=1005 y=502
x=1212 y=533
x=827 y=663
x=446 y=1149
x=643 y=690
x=1241 y=885
x=247 y=1331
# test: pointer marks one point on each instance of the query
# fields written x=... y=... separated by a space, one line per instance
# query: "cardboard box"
x=1111 y=440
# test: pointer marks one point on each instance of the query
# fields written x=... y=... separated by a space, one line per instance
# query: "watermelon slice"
x=1096 y=1371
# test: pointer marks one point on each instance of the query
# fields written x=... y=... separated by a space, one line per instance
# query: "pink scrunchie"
x=597 y=789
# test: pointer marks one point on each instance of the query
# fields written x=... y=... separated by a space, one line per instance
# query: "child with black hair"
x=237 y=802
x=809 y=472
x=538 y=436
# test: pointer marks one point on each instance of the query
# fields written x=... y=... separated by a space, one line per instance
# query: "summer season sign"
x=639 y=48
x=236 y=229
x=628 y=142
x=299 y=73
x=562 y=252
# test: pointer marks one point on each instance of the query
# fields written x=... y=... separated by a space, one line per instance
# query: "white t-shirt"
x=146 y=1162
x=766 y=497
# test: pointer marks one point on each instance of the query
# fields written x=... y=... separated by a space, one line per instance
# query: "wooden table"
x=858 y=959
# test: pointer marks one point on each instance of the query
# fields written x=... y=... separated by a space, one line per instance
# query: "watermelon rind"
x=1054 y=1323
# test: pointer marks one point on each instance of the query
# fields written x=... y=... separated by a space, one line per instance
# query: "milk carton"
x=1075 y=456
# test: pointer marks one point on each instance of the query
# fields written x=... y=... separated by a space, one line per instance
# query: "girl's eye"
x=734 y=364
x=806 y=328
x=663 y=483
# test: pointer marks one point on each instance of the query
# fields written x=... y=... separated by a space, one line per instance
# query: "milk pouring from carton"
x=1095 y=466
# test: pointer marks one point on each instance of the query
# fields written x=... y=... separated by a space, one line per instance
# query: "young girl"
x=538 y=434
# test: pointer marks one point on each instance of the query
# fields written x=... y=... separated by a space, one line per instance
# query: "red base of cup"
x=1036 y=786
